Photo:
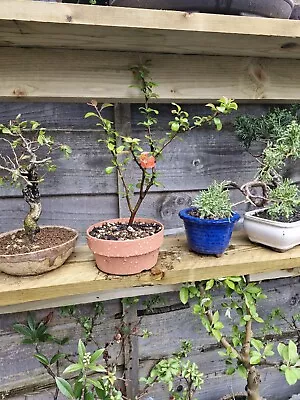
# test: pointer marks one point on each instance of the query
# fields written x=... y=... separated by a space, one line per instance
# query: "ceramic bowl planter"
x=263 y=8
x=40 y=261
x=280 y=236
x=126 y=257
x=208 y=236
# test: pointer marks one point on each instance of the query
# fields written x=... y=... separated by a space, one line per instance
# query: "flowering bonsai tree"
x=126 y=149
x=26 y=159
x=243 y=350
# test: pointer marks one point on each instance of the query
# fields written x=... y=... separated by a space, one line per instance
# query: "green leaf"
x=184 y=295
x=230 y=284
x=230 y=370
x=111 y=146
x=73 y=368
x=57 y=357
x=109 y=170
x=42 y=359
x=96 y=355
x=23 y=329
x=97 y=368
x=218 y=123
x=209 y=284
x=255 y=358
x=64 y=387
x=258 y=344
x=293 y=353
x=283 y=351
x=291 y=376
x=242 y=371
x=89 y=396
x=81 y=349
x=91 y=114
x=217 y=334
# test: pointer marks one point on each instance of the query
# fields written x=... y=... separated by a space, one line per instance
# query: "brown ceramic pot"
x=126 y=257
x=37 y=262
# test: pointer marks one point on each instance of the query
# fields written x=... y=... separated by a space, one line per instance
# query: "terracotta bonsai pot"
x=127 y=257
x=40 y=261
x=263 y=8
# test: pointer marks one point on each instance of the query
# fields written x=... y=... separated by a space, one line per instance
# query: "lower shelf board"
x=78 y=280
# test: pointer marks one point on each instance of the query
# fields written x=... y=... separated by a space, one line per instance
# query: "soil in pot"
x=51 y=248
x=19 y=243
x=294 y=218
x=120 y=249
x=120 y=231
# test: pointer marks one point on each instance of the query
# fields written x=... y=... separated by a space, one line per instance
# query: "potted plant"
x=274 y=226
x=25 y=157
x=130 y=245
x=266 y=8
x=244 y=350
x=210 y=220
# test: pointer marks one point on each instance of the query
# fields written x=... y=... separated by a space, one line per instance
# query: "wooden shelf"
x=36 y=24
x=65 y=52
x=176 y=265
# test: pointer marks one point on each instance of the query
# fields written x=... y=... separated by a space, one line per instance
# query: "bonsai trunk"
x=32 y=197
x=253 y=381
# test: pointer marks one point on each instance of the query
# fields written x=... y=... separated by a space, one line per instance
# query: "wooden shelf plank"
x=39 y=24
x=80 y=75
x=176 y=265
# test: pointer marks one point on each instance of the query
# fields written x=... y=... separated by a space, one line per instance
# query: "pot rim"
x=42 y=250
x=250 y=215
x=124 y=220
x=184 y=214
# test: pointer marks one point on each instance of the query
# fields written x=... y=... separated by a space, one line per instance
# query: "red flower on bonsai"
x=144 y=153
x=147 y=160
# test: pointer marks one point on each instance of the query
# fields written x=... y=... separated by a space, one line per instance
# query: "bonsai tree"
x=145 y=156
x=283 y=145
x=232 y=325
x=25 y=157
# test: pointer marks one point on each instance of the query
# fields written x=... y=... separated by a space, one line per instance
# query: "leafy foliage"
x=127 y=149
x=285 y=200
x=213 y=203
x=170 y=371
x=266 y=128
x=243 y=352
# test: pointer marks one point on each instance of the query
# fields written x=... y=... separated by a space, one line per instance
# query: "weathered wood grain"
x=107 y=28
x=33 y=75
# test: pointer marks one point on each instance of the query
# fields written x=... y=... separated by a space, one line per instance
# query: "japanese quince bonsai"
x=130 y=245
x=25 y=157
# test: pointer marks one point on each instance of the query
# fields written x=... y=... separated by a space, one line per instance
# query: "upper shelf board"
x=53 y=25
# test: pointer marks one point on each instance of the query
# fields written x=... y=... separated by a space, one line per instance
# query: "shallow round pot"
x=280 y=236
x=40 y=261
x=126 y=257
x=208 y=236
x=264 y=8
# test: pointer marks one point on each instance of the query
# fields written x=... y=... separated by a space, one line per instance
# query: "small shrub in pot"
x=210 y=220
x=131 y=245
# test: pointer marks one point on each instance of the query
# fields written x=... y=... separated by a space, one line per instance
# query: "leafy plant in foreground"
x=243 y=352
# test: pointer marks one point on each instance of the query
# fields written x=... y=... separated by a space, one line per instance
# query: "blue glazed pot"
x=208 y=236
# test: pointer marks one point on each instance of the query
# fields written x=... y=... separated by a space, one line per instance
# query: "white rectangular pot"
x=281 y=236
